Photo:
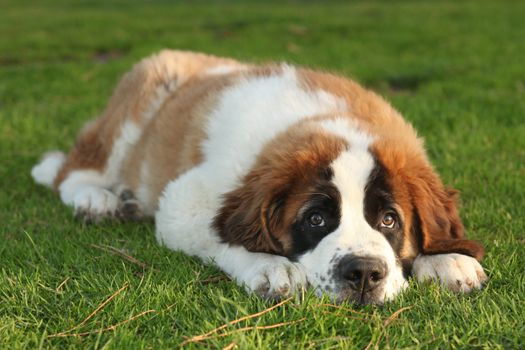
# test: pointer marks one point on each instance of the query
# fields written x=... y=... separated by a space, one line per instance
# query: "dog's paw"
x=276 y=278
x=129 y=208
x=460 y=273
x=93 y=204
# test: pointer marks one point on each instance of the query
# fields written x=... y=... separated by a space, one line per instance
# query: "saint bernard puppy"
x=283 y=177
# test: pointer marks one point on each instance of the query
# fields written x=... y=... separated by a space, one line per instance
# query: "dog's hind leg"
x=93 y=167
x=87 y=176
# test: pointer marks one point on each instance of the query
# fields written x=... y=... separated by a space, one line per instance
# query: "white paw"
x=460 y=273
x=93 y=204
x=275 y=278
x=44 y=173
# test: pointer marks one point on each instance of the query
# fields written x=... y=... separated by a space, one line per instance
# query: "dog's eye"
x=388 y=221
x=316 y=220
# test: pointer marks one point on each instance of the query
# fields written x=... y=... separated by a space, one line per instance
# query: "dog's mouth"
x=360 y=298
x=346 y=294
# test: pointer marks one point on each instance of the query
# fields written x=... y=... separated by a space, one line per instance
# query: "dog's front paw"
x=460 y=273
x=275 y=278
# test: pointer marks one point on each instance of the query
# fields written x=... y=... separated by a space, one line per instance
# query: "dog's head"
x=355 y=210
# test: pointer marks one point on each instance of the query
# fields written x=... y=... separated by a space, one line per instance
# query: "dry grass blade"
x=63 y=283
x=230 y=346
x=122 y=254
x=372 y=341
x=200 y=337
x=257 y=328
x=97 y=331
x=100 y=307
x=103 y=304
x=248 y=328
x=395 y=315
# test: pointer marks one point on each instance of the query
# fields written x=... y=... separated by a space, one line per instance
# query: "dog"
x=284 y=177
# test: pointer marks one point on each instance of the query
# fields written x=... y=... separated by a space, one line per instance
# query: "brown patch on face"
x=259 y=214
x=433 y=225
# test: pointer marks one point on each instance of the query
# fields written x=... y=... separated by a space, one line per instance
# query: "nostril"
x=375 y=276
x=354 y=275
x=378 y=273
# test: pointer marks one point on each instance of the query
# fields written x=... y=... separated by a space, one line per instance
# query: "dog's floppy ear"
x=436 y=221
x=250 y=214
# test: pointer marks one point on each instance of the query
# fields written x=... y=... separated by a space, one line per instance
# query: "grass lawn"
x=455 y=69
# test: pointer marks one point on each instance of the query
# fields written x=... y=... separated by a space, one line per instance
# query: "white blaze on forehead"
x=351 y=175
x=351 y=170
x=353 y=167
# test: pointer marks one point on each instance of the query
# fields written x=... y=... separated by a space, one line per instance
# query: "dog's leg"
x=460 y=273
x=183 y=222
x=86 y=177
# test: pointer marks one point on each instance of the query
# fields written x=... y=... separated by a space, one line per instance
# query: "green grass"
x=455 y=69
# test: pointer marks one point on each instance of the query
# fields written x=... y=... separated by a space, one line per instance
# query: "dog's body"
x=281 y=176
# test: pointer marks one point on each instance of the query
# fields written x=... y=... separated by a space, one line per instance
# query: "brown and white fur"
x=282 y=176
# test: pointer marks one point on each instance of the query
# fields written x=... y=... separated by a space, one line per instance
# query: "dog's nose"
x=362 y=273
